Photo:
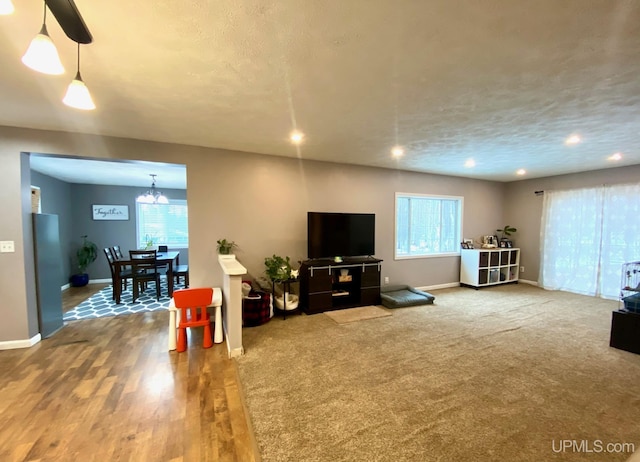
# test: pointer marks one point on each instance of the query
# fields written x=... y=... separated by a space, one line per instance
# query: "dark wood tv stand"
x=323 y=287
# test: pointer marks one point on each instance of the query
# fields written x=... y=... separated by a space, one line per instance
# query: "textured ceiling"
x=501 y=82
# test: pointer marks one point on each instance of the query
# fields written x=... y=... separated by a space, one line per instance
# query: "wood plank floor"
x=108 y=390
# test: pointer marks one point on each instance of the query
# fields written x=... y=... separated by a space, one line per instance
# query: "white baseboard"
x=526 y=281
x=457 y=284
x=99 y=281
x=448 y=285
x=236 y=352
x=91 y=281
x=14 y=344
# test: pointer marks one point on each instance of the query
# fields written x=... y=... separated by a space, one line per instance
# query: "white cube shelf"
x=489 y=267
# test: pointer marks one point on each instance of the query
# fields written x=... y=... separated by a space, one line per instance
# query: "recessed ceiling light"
x=470 y=163
x=521 y=172
x=397 y=151
x=573 y=139
x=616 y=156
x=296 y=137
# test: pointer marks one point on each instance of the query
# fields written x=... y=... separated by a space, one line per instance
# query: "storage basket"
x=256 y=309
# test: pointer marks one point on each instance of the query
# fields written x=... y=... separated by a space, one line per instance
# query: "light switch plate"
x=7 y=246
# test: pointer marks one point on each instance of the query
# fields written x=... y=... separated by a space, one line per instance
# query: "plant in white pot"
x=507 y=231
x=86 y=254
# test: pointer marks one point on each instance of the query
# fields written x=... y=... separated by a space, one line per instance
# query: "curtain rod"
x=539 y=193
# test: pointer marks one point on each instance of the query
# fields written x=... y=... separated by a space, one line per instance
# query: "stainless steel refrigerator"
x=48 y=265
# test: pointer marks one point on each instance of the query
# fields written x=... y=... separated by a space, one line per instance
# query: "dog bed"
x=403 y=296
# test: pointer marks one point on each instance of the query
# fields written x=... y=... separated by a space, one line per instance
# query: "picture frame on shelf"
x=469 y=243
x=503 y=244
x=509 y=244
x=464 y=245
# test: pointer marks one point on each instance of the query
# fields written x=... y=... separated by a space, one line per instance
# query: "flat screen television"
x=331 y=235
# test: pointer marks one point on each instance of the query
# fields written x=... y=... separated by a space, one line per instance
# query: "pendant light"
x=42 y=55
x=6 y=7
x=78 y=95
x=152 y=196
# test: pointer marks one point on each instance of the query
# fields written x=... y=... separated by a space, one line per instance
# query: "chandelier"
x=152 y=196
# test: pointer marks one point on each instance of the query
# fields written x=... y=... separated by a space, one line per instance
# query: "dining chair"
x=163 y=249
x=192 y=306
x=144 y=269
x=117 y=253
x=182 y=271
x=125 y=274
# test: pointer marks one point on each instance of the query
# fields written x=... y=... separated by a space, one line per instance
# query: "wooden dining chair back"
x=117 y=253
x=192 y=306
x=125 y=274
x=144 y=269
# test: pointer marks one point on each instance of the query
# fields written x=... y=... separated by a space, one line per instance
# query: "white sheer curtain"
x=587 y=234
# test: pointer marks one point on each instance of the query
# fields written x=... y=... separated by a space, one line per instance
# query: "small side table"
x=286 y=288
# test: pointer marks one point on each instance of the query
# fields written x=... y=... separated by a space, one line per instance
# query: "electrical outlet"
x=386 y=279
x=522 y=269
x=7 y=246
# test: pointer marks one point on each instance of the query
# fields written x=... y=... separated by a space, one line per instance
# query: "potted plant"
x=277 y=268
x=149 y=242
x=507 y=231
x=225 y=247
x=86 y=254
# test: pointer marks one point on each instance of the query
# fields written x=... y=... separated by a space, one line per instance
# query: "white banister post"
x=232 y=303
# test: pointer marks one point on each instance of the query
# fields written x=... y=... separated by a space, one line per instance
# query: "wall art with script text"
x=110 y=212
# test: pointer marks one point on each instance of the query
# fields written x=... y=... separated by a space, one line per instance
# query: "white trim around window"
x=427 y=225
x=163 y=224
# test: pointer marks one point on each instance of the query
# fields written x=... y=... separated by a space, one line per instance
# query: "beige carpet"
x=357 y=314
x=500 y=374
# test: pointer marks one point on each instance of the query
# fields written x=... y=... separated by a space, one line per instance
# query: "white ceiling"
x=116 y=173
x=503 y=82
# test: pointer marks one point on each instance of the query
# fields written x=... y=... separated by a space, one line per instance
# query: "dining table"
x=171 y=259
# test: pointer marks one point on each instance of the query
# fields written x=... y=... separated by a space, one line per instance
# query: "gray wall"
x=273 y=196
x=523 y=209
x=72 y=203
x=109 y=233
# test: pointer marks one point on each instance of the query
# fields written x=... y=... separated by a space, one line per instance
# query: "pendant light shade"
x=78 y=95
x=42 y=55
x=6 y=7
x=152 y=196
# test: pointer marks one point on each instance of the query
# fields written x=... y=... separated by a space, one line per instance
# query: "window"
x=588 y=234
x=427 y=225
x=165 y=224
